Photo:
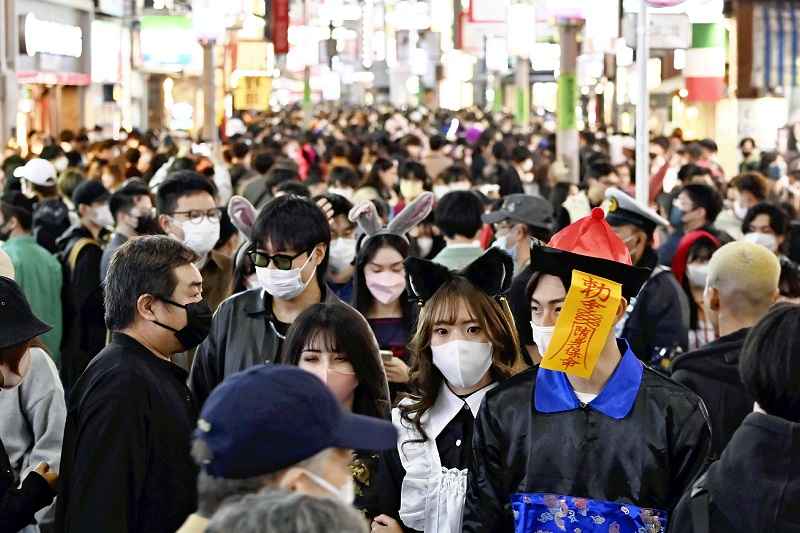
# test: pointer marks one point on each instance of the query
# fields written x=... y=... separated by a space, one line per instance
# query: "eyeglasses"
x=196 y=216
x=262 y=259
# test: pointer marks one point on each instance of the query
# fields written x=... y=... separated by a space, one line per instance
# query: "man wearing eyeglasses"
x=290 y=252
x=188 y=212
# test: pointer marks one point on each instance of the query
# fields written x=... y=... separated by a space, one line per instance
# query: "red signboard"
x=280 y=26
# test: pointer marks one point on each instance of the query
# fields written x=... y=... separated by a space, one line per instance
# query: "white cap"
x=37 y=171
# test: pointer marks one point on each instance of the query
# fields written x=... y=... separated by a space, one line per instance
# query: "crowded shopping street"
x=399 y=266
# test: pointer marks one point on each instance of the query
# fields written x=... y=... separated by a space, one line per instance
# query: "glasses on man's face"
x=262 y=259
x=196 y=216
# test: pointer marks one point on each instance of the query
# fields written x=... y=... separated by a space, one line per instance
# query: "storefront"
x=53 y=66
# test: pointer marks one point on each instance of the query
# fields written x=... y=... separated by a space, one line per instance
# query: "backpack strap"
x=700 y=505
x=75 y=251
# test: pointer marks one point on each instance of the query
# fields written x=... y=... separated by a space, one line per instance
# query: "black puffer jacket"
x=713 y=373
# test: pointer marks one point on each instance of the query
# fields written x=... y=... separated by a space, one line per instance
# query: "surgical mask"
x=198 y=323
x=542 y=335
x=767 y=240
x=698 y=275
x=342 y=384
x=440 y=190
x=61 y=164
x=425 y=245
x=463 y=363
x=676 y=217
x=527 y=166
x=386 y=287
x=502 y=243
x=200 y=238
x=345 y=494
x=10 y=379
x=460 y=186
x=739 y=210
x=284 y=284
x=670 y=180
x=346 y=192
x=343 y=251
x=102 y=216
x=410 y=189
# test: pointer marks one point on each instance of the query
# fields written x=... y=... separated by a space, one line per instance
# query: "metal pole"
x=567 y=127
x=209 y=94
x=642 y=109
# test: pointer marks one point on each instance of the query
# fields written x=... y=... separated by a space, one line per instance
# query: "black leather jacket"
x=648 y=458
x=241 y=336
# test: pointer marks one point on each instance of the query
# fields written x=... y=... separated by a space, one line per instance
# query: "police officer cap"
x=624 y=210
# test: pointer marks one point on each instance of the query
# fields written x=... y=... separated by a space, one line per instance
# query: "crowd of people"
x=395 y=321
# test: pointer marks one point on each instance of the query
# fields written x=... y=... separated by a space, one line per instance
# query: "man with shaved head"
x=742 y=286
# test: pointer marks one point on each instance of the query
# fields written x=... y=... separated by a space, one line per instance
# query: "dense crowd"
x=396 y=321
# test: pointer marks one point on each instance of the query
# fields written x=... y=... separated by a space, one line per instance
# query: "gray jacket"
x=32 y=422
x=241 y=336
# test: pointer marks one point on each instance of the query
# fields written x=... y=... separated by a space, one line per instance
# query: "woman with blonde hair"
x=465 y=344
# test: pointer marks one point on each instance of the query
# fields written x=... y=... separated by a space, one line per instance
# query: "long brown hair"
x=495 y=320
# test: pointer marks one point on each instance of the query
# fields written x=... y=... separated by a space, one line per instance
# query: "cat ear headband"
x=492 y=273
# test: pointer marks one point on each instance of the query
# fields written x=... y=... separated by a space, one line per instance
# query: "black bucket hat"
x=18 y=324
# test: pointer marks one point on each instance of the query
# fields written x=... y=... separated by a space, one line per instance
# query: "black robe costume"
x=642 y=441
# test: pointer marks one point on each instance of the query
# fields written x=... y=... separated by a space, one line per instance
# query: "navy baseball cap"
x=89 y=192
x=270 y=417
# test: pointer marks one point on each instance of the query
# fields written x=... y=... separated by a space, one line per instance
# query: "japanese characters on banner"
x=584 y=324
x=279 y=26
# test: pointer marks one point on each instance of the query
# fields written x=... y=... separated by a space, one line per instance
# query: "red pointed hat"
x=591 y=246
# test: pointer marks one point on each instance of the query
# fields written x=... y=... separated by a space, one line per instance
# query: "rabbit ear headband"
x=370 y=223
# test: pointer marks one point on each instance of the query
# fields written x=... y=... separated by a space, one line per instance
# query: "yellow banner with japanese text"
x=586 y=319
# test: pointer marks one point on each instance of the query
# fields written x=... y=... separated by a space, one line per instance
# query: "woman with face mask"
x=18 y=329
x=334 y=342
x=464 y=345
x=690 y=266
x=380 y=283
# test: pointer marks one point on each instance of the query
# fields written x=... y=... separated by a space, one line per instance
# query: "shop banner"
x=279 y=26
x=567 y=99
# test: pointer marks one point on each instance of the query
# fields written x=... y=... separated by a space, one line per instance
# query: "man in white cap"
x=51 y=216
x=656 y=323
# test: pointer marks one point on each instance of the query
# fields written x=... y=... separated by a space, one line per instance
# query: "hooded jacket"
x=755 y=486
x=713 y=373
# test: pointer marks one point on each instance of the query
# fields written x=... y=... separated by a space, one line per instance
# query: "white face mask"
x=739 y=210
x=542 y=336
x=463 y=363
x=440 y=190
x=10 y=379
x=200 y=238
x=343 y=251
x=767 y=240
x=425 y=245
x=697 y=274
x=284 y=284
x=61 y=164
x=345 y=494
x=102 y=216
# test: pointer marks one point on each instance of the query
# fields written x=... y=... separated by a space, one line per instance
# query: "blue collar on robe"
x=554 y=393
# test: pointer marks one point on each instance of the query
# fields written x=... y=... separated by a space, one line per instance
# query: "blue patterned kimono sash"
x=552 y=513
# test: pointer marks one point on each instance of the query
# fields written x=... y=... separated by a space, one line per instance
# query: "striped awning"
x=776 y=45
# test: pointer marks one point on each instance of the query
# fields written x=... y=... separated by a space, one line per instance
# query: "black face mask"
x=198 y=323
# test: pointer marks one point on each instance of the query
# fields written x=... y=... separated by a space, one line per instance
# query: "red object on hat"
x=592 y=236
